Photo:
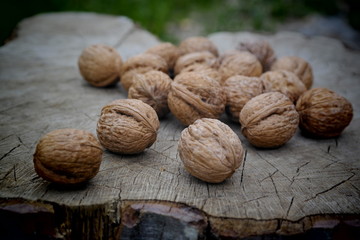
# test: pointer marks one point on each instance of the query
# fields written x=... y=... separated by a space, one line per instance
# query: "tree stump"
x=305 y=188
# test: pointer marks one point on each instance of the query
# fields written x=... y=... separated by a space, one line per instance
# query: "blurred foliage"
x=155 y=15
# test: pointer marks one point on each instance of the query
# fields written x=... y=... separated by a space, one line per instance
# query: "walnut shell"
x=152 y=88
x=204 y=70
x=166 y=50
x=127 y=126
x=145 y=60
x=210 y=150
x=205 y=58
x=128 y=77
x=262 y=50
x=193 y=96
x=67 y=156
x=240 y=63
x=283 y=81
x=239 y=90
x=296 y=65
x=100 y=65
x=197 y=44
x=323 y=113
x=269 y=120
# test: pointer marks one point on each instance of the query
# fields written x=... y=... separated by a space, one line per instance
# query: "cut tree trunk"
x=306 y=188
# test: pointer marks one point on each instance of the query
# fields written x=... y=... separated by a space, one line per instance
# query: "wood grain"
x=305 y=184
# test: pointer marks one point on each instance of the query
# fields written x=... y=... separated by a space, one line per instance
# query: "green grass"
x=155 y=15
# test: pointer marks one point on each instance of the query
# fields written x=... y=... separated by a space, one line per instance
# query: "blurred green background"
x=163 y=18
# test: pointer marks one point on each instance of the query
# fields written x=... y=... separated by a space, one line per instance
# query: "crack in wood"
x=243 y=168
x=290 y=205
x=8 y=153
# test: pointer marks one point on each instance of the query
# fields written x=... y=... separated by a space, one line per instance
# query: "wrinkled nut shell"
x=210 y=150
x=323 y=113
x=197 y=44
x=166 y=50
x=239 y=90
x=193 y=96
x=240 y=63
x=269 y=120
x=204 y=70
x=205 y=58
x=283 y=81
x=152 y=88
x=100 y=65
x=296 y=65
x=130 y=76
x=262 y=50
x=67 y=156
x=127 y=126
x=145 y=60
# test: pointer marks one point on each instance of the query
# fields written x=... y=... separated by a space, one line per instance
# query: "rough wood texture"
x=303 y=185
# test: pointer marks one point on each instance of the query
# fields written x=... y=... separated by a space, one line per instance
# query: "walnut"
x=323 y=113
x=141 y=63
x=204 y=70
x=100 y=65
x=193 y=96
x=197 y=44
x=210 y=150
x=296 y=65
x=269 y=120
x=127 y=126
x=262 y=50
x=283 y=81
x=67 y=156
x=240 y=63
x=152 y=88
x=205 y=58
x=167 y=51
x=239 y=90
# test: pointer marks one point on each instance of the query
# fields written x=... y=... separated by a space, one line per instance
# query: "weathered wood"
x=303 y=185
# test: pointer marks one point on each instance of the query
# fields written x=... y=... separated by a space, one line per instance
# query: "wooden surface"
x=303 y=185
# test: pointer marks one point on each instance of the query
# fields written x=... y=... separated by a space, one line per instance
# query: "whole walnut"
x=262 y=50
x=100 y=65
x=296 y=65
x=204 y=70
x=269 y=120
x=130 y=76
x=197 y=44
x=167 y=51
x=152 y=88
x=127 y=126
x=239 y=90
x=193 y=96
x=205 y=58
x=67 y=156
x=240 y=63
x=210 y=150
x=283 y=81
x=323 y=113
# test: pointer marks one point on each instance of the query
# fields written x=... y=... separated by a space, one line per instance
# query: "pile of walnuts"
x=269 y=97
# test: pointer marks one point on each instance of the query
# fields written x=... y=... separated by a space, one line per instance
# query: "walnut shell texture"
x=193 y=96
x=145 y=60
x=296 y=65
x=197 y=44
x=152 y=88
x=239 y=90
x=210 y=150
x=240 y=63
x=67 y=156
x=262 y=50
x=166 y=50
x=203 y=69
x=205 y=58
x=129 y=77
x=100 y=65
x=127 y=126
x=269 y=120
x=323 y=113
x=283 y=81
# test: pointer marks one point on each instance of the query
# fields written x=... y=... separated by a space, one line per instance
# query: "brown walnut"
x=283 y=81
x=127 y=126
x=323 y=113
x=167 y=51
x=197 y=44
x=152 y=88
x=210 y=150
x=204 y=70
x=204 y=58
x=67 y=156
x=239 y=90
x=100 y=65
x=269 y=120
x=193 y=96
x=296 y=65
